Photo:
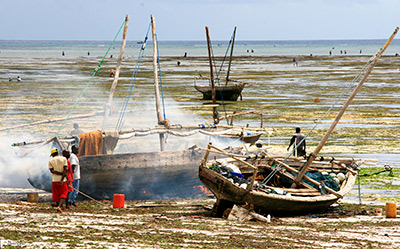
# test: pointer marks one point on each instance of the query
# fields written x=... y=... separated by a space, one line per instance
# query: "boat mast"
x=215 y=112
x=107 y=110
x=156 y=85
x=314 y=154
x=230 y=58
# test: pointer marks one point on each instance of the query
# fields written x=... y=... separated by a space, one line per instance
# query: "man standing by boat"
x=77 y=174
x=298 y=138
x=58 y=168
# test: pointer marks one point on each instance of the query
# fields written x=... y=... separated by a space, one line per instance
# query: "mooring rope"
x=91 y=79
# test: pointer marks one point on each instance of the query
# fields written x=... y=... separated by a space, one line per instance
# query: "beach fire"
x=201 y=189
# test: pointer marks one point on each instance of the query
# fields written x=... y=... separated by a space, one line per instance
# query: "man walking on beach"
x=77 y=174
x=298 y=138
x=58 y=168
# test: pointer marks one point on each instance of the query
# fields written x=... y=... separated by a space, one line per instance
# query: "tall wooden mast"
x=230 y=58
x=156 y=84
x=215 y=112
x=313 y=155
x=107 y=110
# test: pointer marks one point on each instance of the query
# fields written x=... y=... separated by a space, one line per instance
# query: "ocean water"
x=196 y=48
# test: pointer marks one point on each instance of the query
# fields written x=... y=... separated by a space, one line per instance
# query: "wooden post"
x=215 y=112
x=340 y=114
x=230 y=58
x=156 y=85
x=107 y=111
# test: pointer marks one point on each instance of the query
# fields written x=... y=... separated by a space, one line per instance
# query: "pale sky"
x=186 y=19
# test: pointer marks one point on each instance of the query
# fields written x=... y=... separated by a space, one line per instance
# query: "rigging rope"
x=357 y=78
x=132 y=83
x=91 y=79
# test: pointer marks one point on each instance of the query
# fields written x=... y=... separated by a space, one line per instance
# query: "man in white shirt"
x=76 y=168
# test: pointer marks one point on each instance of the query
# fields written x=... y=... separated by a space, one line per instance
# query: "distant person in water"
x=58 y=168
x=9 y=78
x=298 y=138
x=19 y=78
x=76 y=131
x=63 y=53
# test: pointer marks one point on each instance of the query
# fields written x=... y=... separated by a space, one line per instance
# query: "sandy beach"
x=187 y=223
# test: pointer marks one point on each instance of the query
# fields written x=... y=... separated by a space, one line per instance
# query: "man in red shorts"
x=58 y=168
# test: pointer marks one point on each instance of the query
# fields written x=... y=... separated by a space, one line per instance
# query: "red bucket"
x=118 y=201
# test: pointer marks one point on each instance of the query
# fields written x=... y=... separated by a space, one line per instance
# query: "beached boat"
x=223 y=91
x=240 y=180
x=229 y=92
x=138 y=175
x=283 y=185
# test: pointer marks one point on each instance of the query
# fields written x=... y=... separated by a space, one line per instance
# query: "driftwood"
x=242 y=214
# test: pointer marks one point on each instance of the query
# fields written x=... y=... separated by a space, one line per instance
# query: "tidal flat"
x=50 y=88
x=292 y=96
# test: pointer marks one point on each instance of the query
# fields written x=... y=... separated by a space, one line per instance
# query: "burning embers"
x=200 y=189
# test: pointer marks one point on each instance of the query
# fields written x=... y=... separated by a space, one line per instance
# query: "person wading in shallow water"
x=58 y=168
x=296 y=139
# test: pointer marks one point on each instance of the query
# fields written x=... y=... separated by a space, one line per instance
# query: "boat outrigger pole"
x=215 y=112
x=156 y=84
x=107 y=110
x=314 y=154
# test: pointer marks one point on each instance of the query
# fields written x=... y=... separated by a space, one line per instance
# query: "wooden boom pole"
x=156 y=84
x=107 y=111
x=313 y=155
x=215 y=112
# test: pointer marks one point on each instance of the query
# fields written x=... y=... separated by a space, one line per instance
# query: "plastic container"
x=118 y=201
x=391 y=210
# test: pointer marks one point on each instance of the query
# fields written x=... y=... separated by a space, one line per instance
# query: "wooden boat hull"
x=146 y=175
x=276 y=204
x=229 y=93
x=299 y=202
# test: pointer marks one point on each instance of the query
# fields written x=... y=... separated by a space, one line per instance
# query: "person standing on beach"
x=58 y=168
x=299 y=141
x=76 y=168
x=70 y=177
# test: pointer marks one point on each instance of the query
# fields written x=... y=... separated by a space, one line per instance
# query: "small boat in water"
x=224 y=91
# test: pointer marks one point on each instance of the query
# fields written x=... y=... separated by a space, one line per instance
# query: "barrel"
x=33 y=197
x=118 y=201
x=391 y=210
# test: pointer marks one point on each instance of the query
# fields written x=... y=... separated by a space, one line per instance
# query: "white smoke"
x=18 y=163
